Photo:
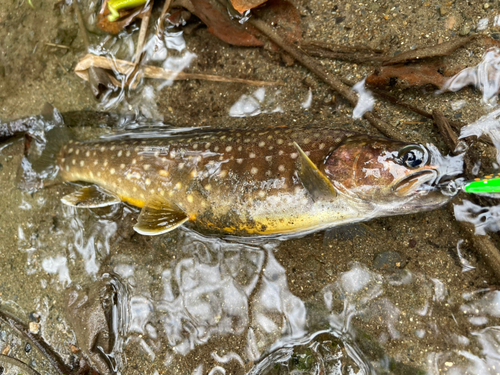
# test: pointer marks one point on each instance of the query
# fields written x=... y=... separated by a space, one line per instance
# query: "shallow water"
x=401 y=295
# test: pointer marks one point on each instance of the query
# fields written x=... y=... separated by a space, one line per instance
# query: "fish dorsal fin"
x=91 y=197
x=315 y=182
x=159 y=216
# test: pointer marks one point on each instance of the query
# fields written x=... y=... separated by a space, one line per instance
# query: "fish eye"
x=412 y=156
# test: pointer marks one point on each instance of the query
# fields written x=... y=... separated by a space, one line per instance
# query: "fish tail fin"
x=41 y=146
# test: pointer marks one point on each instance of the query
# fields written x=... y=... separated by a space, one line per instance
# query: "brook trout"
x=258 y=182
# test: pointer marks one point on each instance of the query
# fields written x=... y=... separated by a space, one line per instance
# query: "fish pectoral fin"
x=315 y=182
x=159 y=216
x=91 y=197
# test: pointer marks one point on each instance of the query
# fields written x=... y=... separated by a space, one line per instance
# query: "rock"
x=34 y=327
x=388 y=260
x=464 y=30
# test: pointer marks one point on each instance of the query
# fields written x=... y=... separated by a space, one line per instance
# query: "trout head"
x=406 y=177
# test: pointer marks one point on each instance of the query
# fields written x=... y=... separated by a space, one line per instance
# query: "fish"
x=255 y=182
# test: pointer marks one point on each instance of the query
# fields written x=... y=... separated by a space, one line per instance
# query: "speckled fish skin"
x=246 y=182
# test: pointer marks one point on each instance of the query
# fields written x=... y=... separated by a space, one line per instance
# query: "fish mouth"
x=418 y=182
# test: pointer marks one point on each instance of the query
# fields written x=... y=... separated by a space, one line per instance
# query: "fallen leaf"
x=127 y=16
x=216 y=17
x=148 y=71
x=244 y=5
x=405 y=76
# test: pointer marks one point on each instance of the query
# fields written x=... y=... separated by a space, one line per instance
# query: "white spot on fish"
x=254 y=170
x=105 y=162
x=262 y=144
x=112 y=148
x=122 y=166
x=294 y=155
x=262 y=193
x=157 y=153
x=190 y=198
x=228 y=148
x=269 y=173
x=119 y=153
x=207 y=145
x=172 y=154
x=194 y=173
x=195 y=146
x=91 y=174
x=178 y=185
x=239 y=161
x=82 y=163
x=279 y=141
x=181 y=166
x=208 y=187
x=134 y=161
x=162 y=192
x=112 y=171
x=216 y=148
x=269 y=158
x=240 y=148
x=148 y=181
x=87 y=154
x=306 y=141
x=77 y=151
x=98 y=174
x=163 y=172
x=251 y=155
x=73 y=161
x=127 y=153
x=280 y=152
x=222 y=174
x=146 y=166
x=134 y=189
x=281 y=168
x=337 y=140
x=67 y=168
x=321 y=146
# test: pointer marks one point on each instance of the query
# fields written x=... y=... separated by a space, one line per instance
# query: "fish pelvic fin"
x=159 y=216
x=315 y=182
x=91 y=197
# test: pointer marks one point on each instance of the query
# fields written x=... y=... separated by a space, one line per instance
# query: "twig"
x=329 y=79
x=41 y=345
x=57 y=45
x=161 y=20
x=142 y=33
x=444 y=127
x=81 y=24
x=126 y=67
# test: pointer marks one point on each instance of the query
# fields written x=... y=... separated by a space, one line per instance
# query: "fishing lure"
x=489 y=184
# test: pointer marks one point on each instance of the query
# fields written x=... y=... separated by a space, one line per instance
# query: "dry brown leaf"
x=148 y=71
x=244 y=5
x=127 y=16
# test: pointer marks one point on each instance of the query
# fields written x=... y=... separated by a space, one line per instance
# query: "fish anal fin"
x=315 y=182
x=159 y=216
x=91 y=197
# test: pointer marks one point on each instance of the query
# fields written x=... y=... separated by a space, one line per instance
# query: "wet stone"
x=464 y=30
x=388 y=260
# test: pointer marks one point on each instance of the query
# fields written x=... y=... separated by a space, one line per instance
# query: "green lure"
x=487 y=185
x=115 y=5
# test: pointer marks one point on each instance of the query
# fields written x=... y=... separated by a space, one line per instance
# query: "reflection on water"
x=484 y=76
x=211 y=306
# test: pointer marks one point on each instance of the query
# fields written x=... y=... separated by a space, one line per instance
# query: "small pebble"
x=74 y=349
x=464 y=30
x=27 y=348
x=34 y=327
x=482 y=24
